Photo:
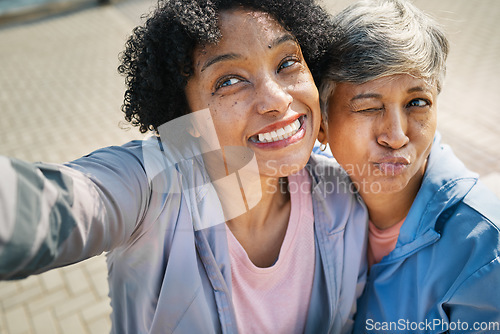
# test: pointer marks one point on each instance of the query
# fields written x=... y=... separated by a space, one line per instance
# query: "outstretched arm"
x=54 y=215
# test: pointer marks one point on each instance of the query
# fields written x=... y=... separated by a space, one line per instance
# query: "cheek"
x=304 y=88
x=230 y=121
x=426 y=122
x=349 y=141
x=345 y=132
x=424 y=131
x=310 y=91
x=341 y=141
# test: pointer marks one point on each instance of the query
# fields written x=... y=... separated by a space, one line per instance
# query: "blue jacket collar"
x=446 y=182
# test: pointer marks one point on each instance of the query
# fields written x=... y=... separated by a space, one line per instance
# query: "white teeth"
x=280 y=134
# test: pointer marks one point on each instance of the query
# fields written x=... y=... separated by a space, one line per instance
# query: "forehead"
x=231 y=18
x=242 y=29
x=389 y=84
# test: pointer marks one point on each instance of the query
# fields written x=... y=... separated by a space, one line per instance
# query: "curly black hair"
x=157 y=61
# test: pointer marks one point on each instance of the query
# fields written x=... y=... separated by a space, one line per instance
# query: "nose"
x=393 y=129
x=272 y=96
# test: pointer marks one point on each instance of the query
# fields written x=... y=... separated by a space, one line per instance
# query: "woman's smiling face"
x=259 y=91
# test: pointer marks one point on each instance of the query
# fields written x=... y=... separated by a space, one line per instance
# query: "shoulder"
x=326 y=169
x=484 y=203
x=335 y=198
x=331 y=182
x=476 y=217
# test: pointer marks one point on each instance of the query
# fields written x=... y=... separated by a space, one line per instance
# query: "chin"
x=387 y=187
x=280 y=168
x=283 y=164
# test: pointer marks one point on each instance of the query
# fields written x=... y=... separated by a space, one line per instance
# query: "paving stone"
x=29 y=283
x=8 y=289
x=23 y=296
x=3 y=323
x=74 y=304
x=49 y=300
x=99 y=326
x=44 y=323
x=77 y=280
x=52 y=279
x=73 y=324
x=16 y=320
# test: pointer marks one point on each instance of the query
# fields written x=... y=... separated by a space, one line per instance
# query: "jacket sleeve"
x=53 y=215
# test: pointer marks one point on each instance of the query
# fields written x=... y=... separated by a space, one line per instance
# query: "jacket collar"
x=446 y=182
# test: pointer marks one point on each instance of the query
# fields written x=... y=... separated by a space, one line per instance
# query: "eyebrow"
x=283 y=39
x=366 y=96
x=219 y=58
x=378 y=96
x=232 y=56
x=417 y=89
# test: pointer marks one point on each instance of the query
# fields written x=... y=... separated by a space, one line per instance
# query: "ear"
x=323 y=132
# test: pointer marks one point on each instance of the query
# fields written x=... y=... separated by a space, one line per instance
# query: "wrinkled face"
x=259 y=90
x=381 y=131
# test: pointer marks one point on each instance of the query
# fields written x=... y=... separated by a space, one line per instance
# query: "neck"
x=275 y=198
x=387 y=209
x=261 y=230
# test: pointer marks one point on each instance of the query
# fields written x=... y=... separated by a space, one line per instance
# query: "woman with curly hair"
x=212 y=224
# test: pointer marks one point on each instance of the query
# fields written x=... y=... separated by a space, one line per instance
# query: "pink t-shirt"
x=381 y=242
x=276 y=299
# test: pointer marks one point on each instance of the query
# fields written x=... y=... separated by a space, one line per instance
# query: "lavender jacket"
x=165 y=275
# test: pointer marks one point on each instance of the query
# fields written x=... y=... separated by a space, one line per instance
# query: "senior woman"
x=202 y=235
x=434 y=241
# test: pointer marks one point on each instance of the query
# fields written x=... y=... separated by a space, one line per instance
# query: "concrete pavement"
x=60 y=98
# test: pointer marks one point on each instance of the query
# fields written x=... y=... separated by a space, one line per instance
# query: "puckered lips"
x=392 y=165
x=281 y=133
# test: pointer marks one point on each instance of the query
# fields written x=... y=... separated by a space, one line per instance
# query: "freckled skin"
x=363 y=131
x=252 y=88
x=381 y=132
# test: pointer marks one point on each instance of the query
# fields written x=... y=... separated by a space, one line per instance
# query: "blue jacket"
x=444 y=273
x=165 y=275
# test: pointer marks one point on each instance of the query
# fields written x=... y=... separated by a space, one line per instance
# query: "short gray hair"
x=378 y=38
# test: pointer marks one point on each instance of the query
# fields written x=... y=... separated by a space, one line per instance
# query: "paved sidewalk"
x=60 y=98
